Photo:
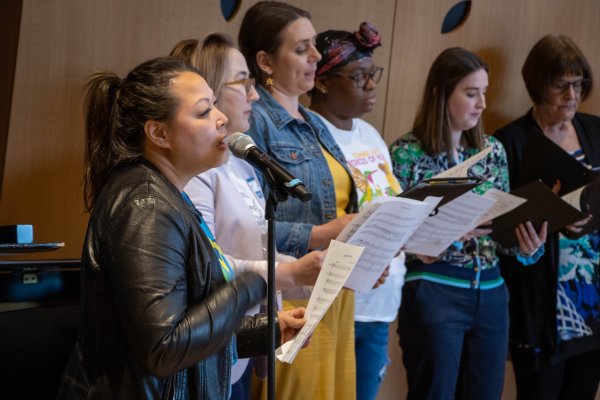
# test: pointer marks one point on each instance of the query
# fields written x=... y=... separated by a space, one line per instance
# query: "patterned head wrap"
x=339 y=48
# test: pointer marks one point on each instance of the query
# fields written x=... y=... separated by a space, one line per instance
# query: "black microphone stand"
x=276 y=195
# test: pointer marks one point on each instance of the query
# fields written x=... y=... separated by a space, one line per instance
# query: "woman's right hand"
x=481 y=230
x=529 y=240
x=301 y=272
x=306 y=269
x=426 y=259
x=321 y=235
x=290 y=323
x=576 y=227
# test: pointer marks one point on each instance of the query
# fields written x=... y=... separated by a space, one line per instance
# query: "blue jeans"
x=370 y=345
x=454 y=340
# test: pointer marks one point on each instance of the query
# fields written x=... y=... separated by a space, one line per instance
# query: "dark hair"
x=261 y=30
x=115 y=113
x=550 y=58
x=432 y=123
x=210 y=59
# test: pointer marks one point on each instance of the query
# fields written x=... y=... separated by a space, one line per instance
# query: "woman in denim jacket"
x=277 y=40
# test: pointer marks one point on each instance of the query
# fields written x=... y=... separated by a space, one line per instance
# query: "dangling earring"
x=269 y=82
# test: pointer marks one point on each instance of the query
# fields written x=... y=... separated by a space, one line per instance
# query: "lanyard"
x=228 y=272
x=249 y=189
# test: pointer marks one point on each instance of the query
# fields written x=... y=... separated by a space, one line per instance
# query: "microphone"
x=242 y=146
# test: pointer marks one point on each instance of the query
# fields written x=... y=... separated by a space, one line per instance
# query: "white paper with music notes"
x=462 y=169
x=452 y=221
x=381 y=227
x=505 y=202
x=339 y=262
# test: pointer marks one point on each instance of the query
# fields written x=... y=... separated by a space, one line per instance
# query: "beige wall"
x=63 y=41
x=502 y=32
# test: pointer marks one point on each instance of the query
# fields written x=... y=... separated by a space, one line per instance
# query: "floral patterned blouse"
x=578 y=289
x=411 y=164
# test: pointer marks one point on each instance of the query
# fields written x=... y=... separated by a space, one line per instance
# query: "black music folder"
x=543 y=159
x=447 y=188
x=541 y=205
x=587 y=200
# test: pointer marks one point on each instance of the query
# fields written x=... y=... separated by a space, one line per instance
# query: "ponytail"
x=100 y=124
x=116 y=111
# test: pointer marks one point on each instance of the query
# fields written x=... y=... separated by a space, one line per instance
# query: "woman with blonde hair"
x=229 y=197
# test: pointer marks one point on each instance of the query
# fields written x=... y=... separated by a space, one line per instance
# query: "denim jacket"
x=296 y=145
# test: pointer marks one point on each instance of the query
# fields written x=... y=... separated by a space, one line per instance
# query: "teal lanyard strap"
x=228 y=272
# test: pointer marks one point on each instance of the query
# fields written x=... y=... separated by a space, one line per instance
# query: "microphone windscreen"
x=239 y=144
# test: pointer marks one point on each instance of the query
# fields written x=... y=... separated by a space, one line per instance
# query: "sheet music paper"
x=462 y=169
x=382 y=228
x=505 y=202
x=574 y=198
x=452 y=221
x=339 y=262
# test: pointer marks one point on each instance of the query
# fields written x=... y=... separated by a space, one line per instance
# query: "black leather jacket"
x=157 y=317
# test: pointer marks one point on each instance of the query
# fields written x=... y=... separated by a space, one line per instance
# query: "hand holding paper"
x=338 y=264
x=452 y=221
x=382 y=227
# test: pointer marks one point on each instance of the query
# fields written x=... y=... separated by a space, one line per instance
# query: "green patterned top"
x=411 y=165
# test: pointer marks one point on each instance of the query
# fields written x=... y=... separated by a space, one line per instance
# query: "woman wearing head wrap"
x=344 y=91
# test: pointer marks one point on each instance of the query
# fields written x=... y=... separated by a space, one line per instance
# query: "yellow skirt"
x=326 y=370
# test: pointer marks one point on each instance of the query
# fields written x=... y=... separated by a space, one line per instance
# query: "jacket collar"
x=277 y=113
x=167 y=183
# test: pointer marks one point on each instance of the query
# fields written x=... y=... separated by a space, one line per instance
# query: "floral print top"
x=578 y=289
x=411 y=165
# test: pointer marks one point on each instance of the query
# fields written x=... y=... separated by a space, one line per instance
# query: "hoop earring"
x=269 y=82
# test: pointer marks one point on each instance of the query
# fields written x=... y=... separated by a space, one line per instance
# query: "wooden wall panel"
x=10 y=19
x=61 y=43
x=502 y=32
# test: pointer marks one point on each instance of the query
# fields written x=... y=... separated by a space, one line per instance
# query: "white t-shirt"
x=369 y=160
x=232 y=205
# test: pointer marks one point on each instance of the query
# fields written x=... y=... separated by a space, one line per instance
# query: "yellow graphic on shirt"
x=363 y=184
x=394 y=189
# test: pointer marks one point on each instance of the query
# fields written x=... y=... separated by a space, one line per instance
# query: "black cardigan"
x=533 y=333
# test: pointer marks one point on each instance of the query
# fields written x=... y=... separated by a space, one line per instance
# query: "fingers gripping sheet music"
x=505 y=202
x=339 y=261
x=382 y=228
x=453 y=220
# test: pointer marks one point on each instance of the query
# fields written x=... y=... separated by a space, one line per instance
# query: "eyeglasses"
x=361 y=78
x=248 y=83
x=561 y=86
